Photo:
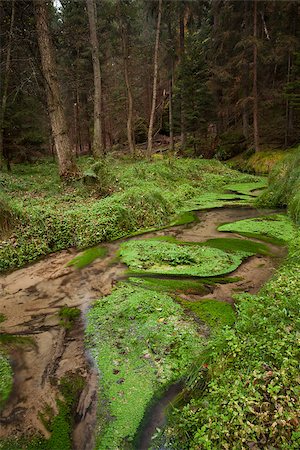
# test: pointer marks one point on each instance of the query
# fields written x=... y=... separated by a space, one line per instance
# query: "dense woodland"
x=203 y=77
x=149 y=291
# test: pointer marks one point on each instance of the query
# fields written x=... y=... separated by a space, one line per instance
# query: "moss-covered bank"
x=251 y=399
x=53 y=216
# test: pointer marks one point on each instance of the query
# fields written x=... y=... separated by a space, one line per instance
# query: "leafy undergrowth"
x=6 y=378
x=284 y=186
x=170 y=258
x=53 y=216
x=276 y=228
x=141 y=341
x=261 y=162
x=251 y=398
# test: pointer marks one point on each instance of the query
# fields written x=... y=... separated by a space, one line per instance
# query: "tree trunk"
x=66 y=160
x=154 y=92
x=6 y=81
x=171 y=122
x=98 y=135
x=255 y=95
x=182 y=99
x=125 y=48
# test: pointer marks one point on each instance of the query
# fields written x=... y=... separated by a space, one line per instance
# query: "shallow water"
x=32 y=297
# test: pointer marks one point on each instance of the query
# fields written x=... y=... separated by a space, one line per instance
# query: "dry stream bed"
x=32 y=297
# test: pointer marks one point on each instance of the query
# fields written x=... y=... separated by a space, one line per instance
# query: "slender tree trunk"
x=171 y=122
x=98 y=135
x=66 y=160
x=6 y=81
x=287 y=105
x=255 y=95
x=182 y=99
x=155 y=75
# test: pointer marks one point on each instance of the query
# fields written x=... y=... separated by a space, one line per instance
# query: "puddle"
x=32 y=297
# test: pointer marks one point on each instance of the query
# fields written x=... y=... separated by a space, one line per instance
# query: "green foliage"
x=276 y=228
x=68 y=315
x=55 y=216
x=252 y=393
x=215 y=313
x=6 y=379
x=61 y=425
x=87 y=257
x=284 y=186
x=158 y=256
x=141 y=342
x=262 y=162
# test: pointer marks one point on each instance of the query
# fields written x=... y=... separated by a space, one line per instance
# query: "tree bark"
x=6 y=81
x=125 y=48
x=66 y=160
x=98 y=126
x=155 y=75
x=171 y=121
x=255 y=94
x=182 y=99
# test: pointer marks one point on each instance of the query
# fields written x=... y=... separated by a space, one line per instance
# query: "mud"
x=30 y=299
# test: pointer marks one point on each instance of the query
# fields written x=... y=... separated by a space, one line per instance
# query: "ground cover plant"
x=54 y=215
x=171 y=258
x=284 y=186
x=250 y=373
x=276 y=228
x=141 y=342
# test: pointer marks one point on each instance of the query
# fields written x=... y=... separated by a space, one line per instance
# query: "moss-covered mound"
x=276 y=228
x=6 y=379
x=169 y=258
x=262 y=162
x=141 y=342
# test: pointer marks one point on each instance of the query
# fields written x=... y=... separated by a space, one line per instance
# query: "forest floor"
x=151 y=330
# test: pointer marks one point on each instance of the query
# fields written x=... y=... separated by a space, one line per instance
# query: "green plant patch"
x=141 y=342
x=173 y=259
x=68 y=316
x=251 y=373
x=2 y=318
x=87 y=257
x=247 y=188
x=219 y=200
x=142 y=196
x=276 y=228
x=170 y=285
x=6 y=379
x=7 y=339
x=27 y=443
x=238 y=245
x=215 y=313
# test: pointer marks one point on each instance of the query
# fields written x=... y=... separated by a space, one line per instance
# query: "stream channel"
x=32 y=297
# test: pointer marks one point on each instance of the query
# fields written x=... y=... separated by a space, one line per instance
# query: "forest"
x=149 y=224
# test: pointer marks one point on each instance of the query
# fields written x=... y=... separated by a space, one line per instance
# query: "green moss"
x=251 y=372
x=6 y=379
x=170 y=285
x=276 y=228
x=87 y=257
x=28 y=443
x=157 y=256
x=2 y=318
x=218 y=200
x=238 y=245
x=68 y=316
x=141 y=342
x=247 y=188
x=7 y=339
x=215 y=313
x=144 y=196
